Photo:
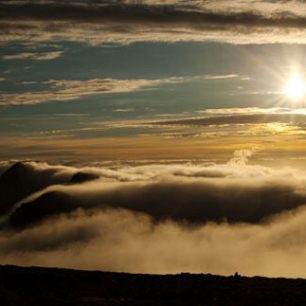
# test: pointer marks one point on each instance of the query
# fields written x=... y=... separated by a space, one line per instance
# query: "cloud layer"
x=159 y=218
x=123 y=241
x=198 y=197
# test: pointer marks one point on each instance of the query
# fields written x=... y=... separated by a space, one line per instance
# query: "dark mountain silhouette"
x=13 y=187
x=46 y=286
x=82 y=177
x=47 y=205
x=22 y=179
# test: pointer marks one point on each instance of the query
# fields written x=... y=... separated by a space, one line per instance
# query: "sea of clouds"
x=155 y=217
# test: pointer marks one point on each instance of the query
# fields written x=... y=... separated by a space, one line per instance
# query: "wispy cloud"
x=240 y=116
x=43 y=56
x=64 y=90
x=221 y=77
x=124 y=110
x=249 y=110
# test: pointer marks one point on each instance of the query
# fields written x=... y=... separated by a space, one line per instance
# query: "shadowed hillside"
x=22 y=179
x=47 y=286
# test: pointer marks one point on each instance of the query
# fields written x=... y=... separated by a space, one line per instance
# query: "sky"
x=86 y=79
x=181 y=121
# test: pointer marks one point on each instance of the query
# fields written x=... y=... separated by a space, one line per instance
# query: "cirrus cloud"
x=43 y=56
x=65 y=90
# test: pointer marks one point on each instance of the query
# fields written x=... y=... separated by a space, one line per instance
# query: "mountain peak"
x=82 y=177
x=17 y=168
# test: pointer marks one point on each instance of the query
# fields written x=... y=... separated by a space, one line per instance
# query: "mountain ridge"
x=57 y=286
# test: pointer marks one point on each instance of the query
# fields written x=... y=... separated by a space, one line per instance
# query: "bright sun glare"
x=295 y=88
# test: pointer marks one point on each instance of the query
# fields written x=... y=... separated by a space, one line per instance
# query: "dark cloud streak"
x=127 y=18
x=167 y=14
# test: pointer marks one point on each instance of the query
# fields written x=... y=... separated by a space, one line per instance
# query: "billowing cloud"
x=196 y=194
x=116 y=240
x=129 y=21
x=160 y=218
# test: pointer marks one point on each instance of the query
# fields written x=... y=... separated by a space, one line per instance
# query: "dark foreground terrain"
x=47 y=286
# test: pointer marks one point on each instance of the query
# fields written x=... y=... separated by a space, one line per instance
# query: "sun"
x=295 y=88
